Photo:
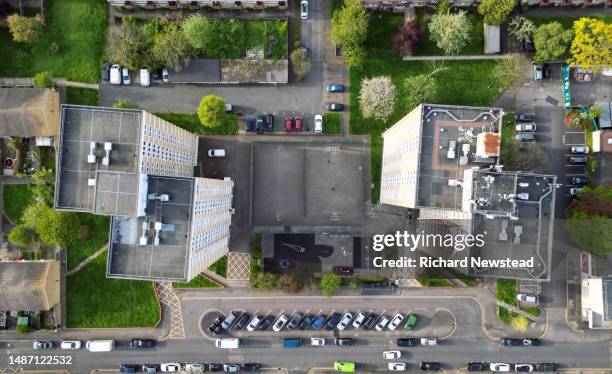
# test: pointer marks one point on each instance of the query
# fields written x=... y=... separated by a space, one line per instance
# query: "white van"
x=100 y=345
x=115 y=74
x=227 y=343
x=145 y=77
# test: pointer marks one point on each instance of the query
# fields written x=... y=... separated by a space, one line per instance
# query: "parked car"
x=170 y=367
x=317 y=342
x=574 y=191
x=306 y=322
x=216 y=153
x=145 y=77
x=232 y=316
x=537 y=73
x=520 y=342
x=392 y=355
x=408 y=342
x=115 y=74
x=215 y=367
x=523 y=368
x=129 y=368
x=165 y=75
x=106 y=72
x=369 y=321
x=288 y=124
x=343 y=270
x=500 y=367
x=429 y=341
x=361 y=316
x=580 y=149
x=397 y=366
x=142 y=343
x=525 y=137
x=382 y=323
x=411 y=322
x=344 y=341
x=344 y=366
x=250 y=367
x=527 y=298
x=70 y=344
x=304 y=9
x=580 y=181
x=242 y=321
x=318 y=127
x=577 y=160
x=429 y=366
x=270 y=122
x=260 y=124
x=332 y=87
x=249 y=124
x=195 y=368
x=298 y=123
x=125 y=77
x=150 y=368
x=524 y=117
x=525 y=127
x=546 y=367
x=335 y=107
x=395 y=321
x=294 y=321
x=215 y=327
x=266 y=323
x=346 y=319
x=254 y=323
x=231 y=368
x=280 y=323
x=42 y=344
x=332 y=321
x=477 y=366
x=318 y=322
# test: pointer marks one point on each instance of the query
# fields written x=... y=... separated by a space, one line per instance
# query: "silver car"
x=346 y=319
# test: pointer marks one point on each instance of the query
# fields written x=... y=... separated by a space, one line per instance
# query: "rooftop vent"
x=107 y=148
x=91 y=158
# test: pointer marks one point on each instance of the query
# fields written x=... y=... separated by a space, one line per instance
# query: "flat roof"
x=448 y=148
x=168 y=260
x=115 y=187
x=198 y=70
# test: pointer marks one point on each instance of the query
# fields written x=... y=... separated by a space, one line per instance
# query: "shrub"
x=300 y=61
x=495 y=11
x=23 y=329
x=21 y=235
x=551 y=42
x=377 y=97
x=330 y=284
x=519 y=323
x=450 y=32
x=24 y=29
x=124 y=104
x=42 y=80
x=212 y=112
x=407 y=38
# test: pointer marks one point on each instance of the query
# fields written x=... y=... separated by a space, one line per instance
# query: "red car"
x=288 y=124
x=298 y=123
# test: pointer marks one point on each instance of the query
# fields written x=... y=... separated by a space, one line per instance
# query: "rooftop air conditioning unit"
x=107 y=148
x=91 y=158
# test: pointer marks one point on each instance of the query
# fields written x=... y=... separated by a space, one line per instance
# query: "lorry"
x=227 y=343
x=292 y=342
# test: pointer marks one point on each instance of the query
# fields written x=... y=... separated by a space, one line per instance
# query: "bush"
x=330 y=284
x=551 y=42
x=290 y=284
x=377 y=97
x=21 y=235
x=450 y=32
x=265 y=281
x=42 y=80
x=300 y=61
x=23 y=329
x=124 y=104
x=519 y=323
x=495 y=11
x=24 y=29
x=212 y=112
x=407 y=38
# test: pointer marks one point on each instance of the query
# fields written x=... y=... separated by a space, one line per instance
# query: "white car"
x=395 y=321
x=429 y=341
x=500 y=367
x=359 y=320
x=526 y=127
x=527 y=298
x=318 y=123
x=216 y=153
x=523 y=368
x=145 y=77
x=304 y=9
x=195 y=368
x=254 y=323
x=125 y=77
x=384 y=320
x=397 y=366
x=392 y=355
x=165 y=75
x=317 y=342
x=280 y=323
x=70 y=344
x=580 y=149
x=170 y=367
x=346 y=319
x=115 y=74
x=575 y=191
x=231 y=368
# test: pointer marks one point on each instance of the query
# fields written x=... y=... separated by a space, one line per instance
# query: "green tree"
x=591 y=233
x=212 y=112
x=42 y=79
x=330 y=284
x=21 y=235
x=24 y=29
x=443 y=7
x=170 y=48
x=496 y=11
x=377 y=97
x=300 y=61
x=422 y=88
x=127 y=45
x=591 y=45
x=450 y=32
x=44 y=193
x=198 y=32
x=522 y=29
x=53 y=227
x=551 y=42
x=349 y=30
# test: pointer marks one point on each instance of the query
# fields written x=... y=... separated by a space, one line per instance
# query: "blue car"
x=335 y=88
x=318 y=322
x=249 y=124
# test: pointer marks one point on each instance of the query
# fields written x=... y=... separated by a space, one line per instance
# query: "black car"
x=477 y=366
x=577 y=160
x=580 y=181
x=344 y=341
x=369 y=322
x=524 y=117
x=408 y=342
x=266 y=323
x=294 y=321
x=307 y=321
x=377 y=285
x=142 y=343
x=249 y=124
x=335 y=107
x=343 y=270
x=215 y=327
x=332 y=321
x=129 y=368
x=519 y=342
x=106 y=72
x=260 y=123
x=215 y=367
x=270 y=122
x=547 y=70
x=525 y=137
x=546 y=367
x=429 y=366
x=242 y=321
x=250 y=368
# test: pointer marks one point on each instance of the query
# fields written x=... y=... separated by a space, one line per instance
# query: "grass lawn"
x=429 y=48
x=297 y=23
x=506 y=291
x=94 y=236
x=81 y=96
x=567 y=22
x=96 y=301
x=17 y=197
x=198 y=282
x=258 y=33
x=220 y=267
x=77 y=27
x=430 y=278
x=47 y=156
x=508 y=129
x=332 y=123
x=191 y=123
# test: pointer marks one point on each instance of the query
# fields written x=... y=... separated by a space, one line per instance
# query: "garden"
x=506 y=292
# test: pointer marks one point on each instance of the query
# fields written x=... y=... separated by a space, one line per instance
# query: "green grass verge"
x=332 y=123
x=17 y=197
x=506 y=291
x=77 y=27
x=81 y=96
x=508 y=129
x=47 y=156
x=258 y=33
x=220 y=267
x=191 y=123
x=96 y=301
x=533 y=310
x=505 y=315
x=430 y=278
x=198 y=282
x=429 y=48
x=94 y=236
x=567 y=22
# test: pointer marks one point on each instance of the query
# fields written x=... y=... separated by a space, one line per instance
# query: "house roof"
x=29 y=112
x=29 y=285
